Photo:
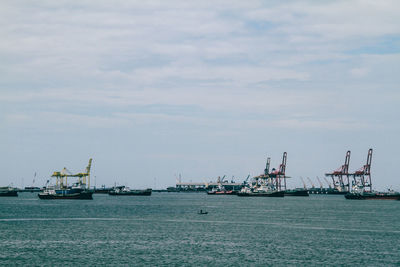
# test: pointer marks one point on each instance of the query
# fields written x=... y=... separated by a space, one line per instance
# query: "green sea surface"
x=165 y=229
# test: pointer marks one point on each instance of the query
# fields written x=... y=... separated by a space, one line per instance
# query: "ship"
x=260 y=192
x=102 y=190
x=361 y=194
x=31 y=189
x=221 y=191
x=74 y=192
x=126 y=191
x=297 y=192
x=61 y=190
x=8 y=191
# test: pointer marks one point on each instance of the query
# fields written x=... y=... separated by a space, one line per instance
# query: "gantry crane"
x=338 y=175
x=273 y=178
x=362 y=177
x=280 y=173
x=83 y=177
x=326 y=180
x=320 y=183
x=312 y=184
x=304 y=184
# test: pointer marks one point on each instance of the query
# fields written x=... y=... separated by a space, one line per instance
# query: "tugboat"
x=221 y=190
x=8 y=191
x=61 y=190
x=126 y=191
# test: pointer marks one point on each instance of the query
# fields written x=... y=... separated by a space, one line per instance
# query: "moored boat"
x=297 y=192
x=31 y=189
x=8 y=191
x=373 y=195
x=67 y=193
x=262 y=194
x=220 y=190
x=260 y=191
x=126 y=191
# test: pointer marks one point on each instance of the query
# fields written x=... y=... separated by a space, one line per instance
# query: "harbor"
x=271 y=183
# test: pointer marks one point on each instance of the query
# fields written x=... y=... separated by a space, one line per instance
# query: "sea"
x=165 y=229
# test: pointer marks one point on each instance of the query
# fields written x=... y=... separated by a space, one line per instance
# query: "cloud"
x=359 y=72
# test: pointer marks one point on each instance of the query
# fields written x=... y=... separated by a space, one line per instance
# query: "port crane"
x=326 y=180
x=320 y=184
x=83 y=177
x=338 y=175
x=280 y=173
x=273 y=178
x=304 y=184
x=362 y=176
x=312 y=184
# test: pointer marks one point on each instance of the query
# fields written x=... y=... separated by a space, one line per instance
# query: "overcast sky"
x=154 y=89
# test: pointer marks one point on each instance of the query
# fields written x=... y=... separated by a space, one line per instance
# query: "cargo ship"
x=126 y=191
x=8 y=191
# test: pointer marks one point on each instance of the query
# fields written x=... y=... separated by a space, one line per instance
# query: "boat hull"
x=131 y=193
x=9 y=194
x=80 y=195
x=296 y=193
x=263 y=194
x=383 y=196
x=221 y=193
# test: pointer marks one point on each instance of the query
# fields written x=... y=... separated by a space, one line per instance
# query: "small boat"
x=202 y=212
x=8 y=191
x=126 y=191
x=221 y=191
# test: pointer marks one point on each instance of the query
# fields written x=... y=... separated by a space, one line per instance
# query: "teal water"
x=165 y=230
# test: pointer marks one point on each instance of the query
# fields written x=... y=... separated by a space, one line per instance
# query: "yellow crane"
x=84 y=177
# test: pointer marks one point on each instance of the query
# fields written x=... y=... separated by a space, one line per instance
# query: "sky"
x=156 y=89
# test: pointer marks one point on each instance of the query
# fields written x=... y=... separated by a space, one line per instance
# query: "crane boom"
x=311 y=182
x=320 y=184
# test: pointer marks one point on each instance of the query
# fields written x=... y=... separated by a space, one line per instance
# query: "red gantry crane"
x=275 y=177
x=279 y=174
x=338 y=176
x=362 y=176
